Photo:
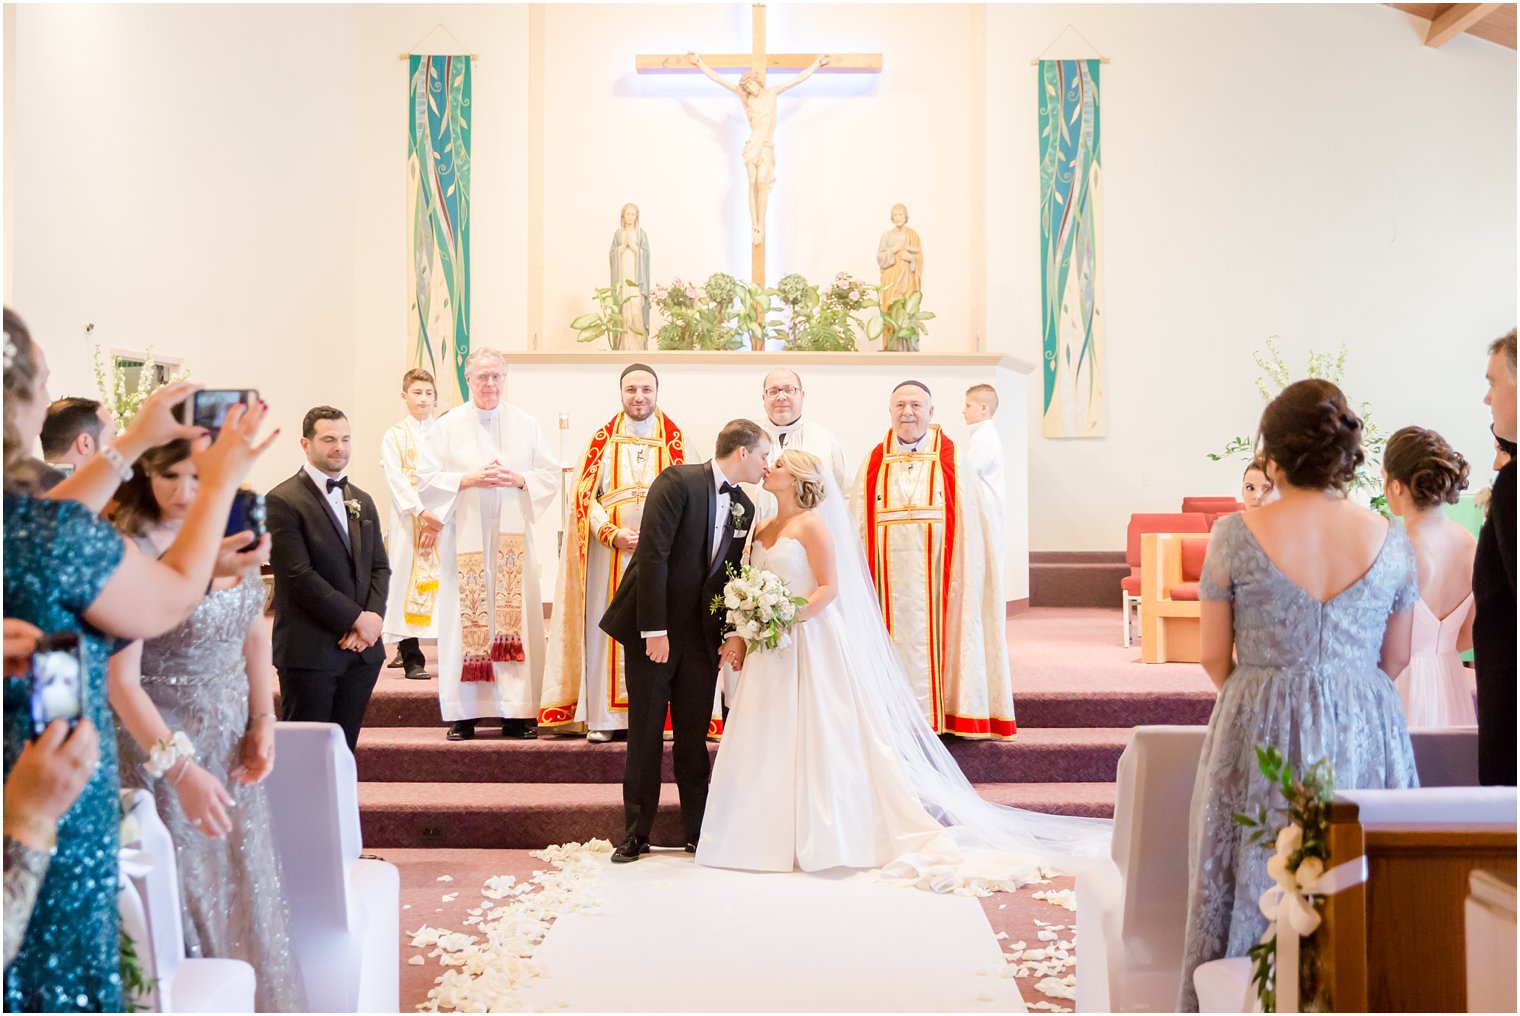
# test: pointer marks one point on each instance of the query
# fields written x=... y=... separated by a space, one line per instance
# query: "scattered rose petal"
x=415 y=961
x=445 y=878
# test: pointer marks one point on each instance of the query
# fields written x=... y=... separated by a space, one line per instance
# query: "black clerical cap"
x=915 y=384
x=639 y=366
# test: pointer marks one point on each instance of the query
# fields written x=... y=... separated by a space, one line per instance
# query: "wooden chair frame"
x=1169 y=629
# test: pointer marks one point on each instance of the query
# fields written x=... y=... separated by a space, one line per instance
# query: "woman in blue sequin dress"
x=66 y=569
x=1306 y=615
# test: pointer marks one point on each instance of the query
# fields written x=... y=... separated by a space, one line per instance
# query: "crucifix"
x=759 y=106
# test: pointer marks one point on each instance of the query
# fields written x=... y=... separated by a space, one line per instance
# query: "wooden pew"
x=1397 y=943
x=1170 y=566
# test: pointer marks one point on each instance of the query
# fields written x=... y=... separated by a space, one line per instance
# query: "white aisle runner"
x=677 y=937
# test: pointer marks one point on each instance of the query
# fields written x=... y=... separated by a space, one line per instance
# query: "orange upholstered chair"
x=1171 y=565
x=1139 y=525
x=1211 y=505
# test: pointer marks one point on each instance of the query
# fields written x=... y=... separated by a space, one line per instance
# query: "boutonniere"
x=354 y=507
x=736 y=513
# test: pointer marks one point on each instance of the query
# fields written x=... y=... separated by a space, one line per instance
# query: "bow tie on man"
x=341 y=483
x=728 y=488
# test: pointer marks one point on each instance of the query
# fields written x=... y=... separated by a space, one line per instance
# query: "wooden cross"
x=759 y=61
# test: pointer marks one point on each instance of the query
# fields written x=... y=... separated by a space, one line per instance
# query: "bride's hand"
x=732 y=653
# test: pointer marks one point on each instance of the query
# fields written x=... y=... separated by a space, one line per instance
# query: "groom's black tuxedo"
x=321 y=584
x=674 y=574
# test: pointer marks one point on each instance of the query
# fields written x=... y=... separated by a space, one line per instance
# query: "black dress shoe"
x=519 y=729
x=416 y=673
x=629 y=850
x=691 y=846
x=462 y=730
x=396 y=664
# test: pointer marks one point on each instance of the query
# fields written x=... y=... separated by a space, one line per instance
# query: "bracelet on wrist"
x=117 y=462
x=260 y=716
x=166 y=751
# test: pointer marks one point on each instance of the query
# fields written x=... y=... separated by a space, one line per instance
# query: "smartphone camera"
x=57 y=680
x=208 y=408
x=248 y=514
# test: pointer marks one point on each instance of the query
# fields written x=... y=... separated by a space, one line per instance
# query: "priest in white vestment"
x=584 y=683
x=784 y=398
x=411 y=537
x=928 y=541
x=487 y=474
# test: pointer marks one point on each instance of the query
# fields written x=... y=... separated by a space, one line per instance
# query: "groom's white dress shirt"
x=333 y=497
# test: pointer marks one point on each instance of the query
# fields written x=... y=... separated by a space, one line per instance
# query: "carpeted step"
x=398 y=702
x=534 y=815
x=422 y=755
x=1040 y=710
x=1076 y=578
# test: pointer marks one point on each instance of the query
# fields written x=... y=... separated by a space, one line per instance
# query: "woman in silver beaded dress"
x=209 y=678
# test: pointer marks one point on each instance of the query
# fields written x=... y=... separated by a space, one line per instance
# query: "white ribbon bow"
x=1292 y=916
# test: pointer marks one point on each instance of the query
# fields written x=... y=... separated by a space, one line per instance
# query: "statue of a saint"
x=760 y=149
x=629 y=260
x=901 y=258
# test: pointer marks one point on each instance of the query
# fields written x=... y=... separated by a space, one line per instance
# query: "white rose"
x=730 y=600
x=1277 y=868
x=1290 y=839
x=1309 y=871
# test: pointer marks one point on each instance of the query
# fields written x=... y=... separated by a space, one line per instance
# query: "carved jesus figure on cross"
x=760 y=150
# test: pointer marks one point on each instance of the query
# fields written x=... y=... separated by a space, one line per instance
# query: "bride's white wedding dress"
x=805 y=778
x=827 y=760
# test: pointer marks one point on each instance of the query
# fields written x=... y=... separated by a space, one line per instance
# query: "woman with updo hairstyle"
x=1306 y=609
x=1421 y=473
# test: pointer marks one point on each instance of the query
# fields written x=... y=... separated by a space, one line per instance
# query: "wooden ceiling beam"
x=1455 y=20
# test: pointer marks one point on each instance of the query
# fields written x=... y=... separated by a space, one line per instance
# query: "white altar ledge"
x=572 y=392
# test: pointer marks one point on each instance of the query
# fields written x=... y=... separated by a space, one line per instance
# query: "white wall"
x=228 y=183
x=1311 y=172
x=848 y=147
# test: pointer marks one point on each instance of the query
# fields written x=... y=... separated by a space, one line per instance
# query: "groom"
x=695 y=523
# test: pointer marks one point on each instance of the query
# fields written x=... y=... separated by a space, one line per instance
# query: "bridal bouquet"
x=759 y=608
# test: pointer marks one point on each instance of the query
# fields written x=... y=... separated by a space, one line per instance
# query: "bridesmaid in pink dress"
x=1421 y=472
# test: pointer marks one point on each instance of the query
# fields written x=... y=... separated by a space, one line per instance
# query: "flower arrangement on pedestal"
x=726 y=313
x=111 y=380
x=1368 y=483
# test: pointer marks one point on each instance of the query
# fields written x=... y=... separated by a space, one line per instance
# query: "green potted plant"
x=607 y=319
x=901 y=325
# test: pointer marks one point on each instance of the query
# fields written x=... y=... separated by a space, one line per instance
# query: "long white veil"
x=1051 y=841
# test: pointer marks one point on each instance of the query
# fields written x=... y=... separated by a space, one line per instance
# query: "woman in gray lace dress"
x=1306 y=614
x=208 y=678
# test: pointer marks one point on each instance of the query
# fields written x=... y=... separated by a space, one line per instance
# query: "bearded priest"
x=584 y=683
x=927 y=535
x=487 y=475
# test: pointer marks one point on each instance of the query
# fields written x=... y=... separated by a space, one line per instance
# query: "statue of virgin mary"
x=628 y=259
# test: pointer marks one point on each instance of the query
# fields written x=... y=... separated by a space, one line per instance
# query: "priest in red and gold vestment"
x=584 y=687
x=928 y=541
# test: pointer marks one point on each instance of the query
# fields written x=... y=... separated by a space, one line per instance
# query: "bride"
x=827 y=760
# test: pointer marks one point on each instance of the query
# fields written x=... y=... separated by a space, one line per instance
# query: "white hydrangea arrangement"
x=757 y=606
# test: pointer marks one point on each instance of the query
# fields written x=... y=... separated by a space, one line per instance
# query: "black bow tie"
x=340 y=483
x=727 y=488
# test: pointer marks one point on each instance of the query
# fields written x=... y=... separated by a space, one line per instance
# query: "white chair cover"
x=151 y=914
x=345 y=910
x=1134 y=911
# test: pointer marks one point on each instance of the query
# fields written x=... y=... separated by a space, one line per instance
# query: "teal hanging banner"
x=438 y=232
x=1071 y=178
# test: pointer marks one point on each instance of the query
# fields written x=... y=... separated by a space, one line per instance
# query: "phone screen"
x=210 y=407
x=57 y=680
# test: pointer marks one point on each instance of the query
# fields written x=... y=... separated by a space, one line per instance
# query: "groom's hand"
x=657 y=648
x=732 y=653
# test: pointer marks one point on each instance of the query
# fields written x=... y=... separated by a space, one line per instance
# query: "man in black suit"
x=695 y=522
x=330 y=583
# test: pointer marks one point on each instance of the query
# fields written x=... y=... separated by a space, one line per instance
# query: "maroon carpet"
x=1077 y=693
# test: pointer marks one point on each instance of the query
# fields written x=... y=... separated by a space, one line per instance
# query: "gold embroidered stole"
x=422 y=585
